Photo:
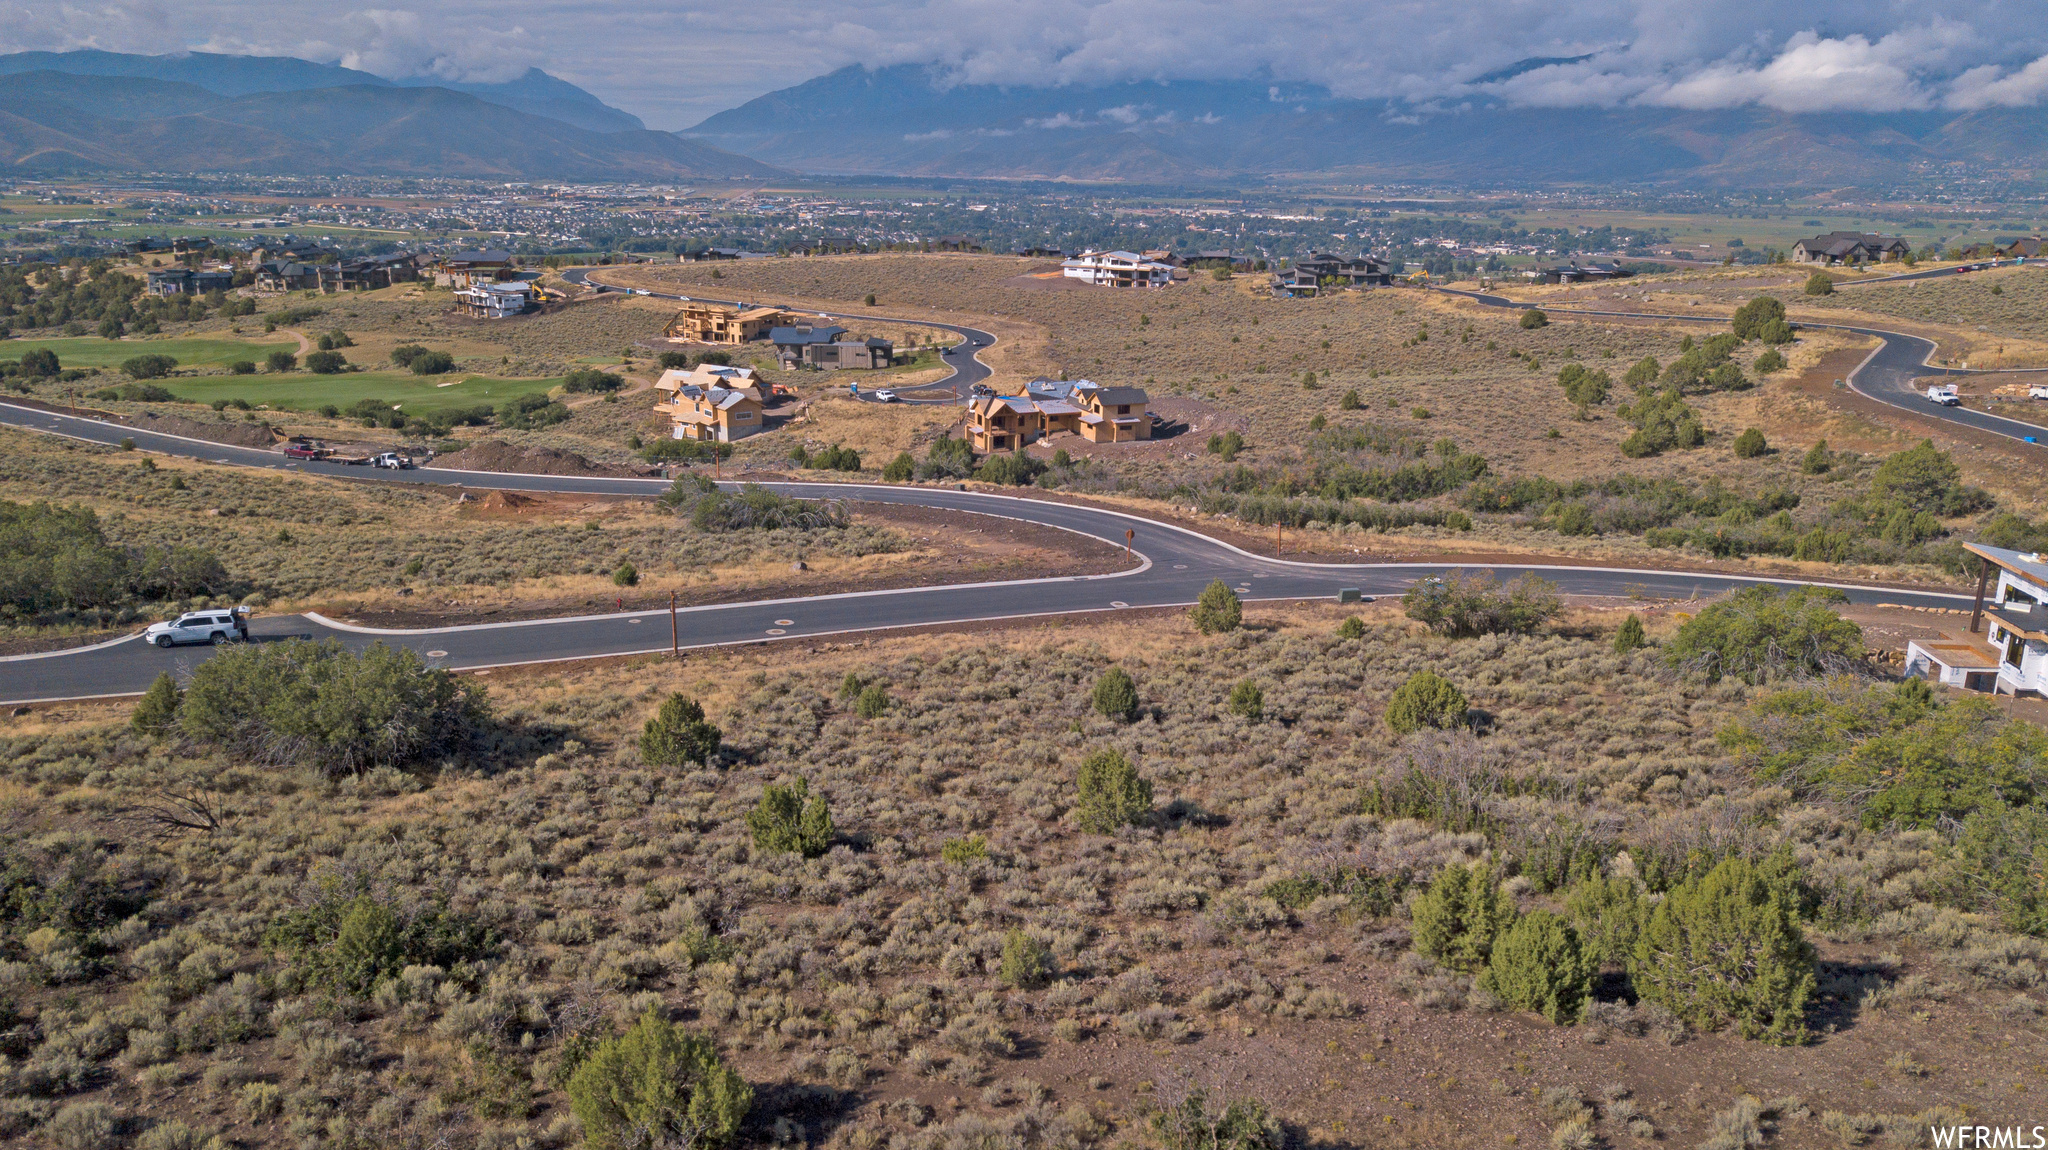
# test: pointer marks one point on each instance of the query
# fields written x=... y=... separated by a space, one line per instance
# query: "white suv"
x=216 y=626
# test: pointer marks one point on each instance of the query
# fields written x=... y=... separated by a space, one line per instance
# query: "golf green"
x=92 y=351
x=304 y=391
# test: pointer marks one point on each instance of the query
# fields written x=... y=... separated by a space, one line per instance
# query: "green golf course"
x=195 y=351
x=304 y=391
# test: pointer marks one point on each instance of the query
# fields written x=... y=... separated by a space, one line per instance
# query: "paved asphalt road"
x=1887 y=376
x=964 y=358
x=1170 y=567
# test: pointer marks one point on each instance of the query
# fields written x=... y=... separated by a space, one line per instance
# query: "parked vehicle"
x=885 y=396
x=304 y=451
x=392 y=460
x=215 y=626
x=2038 y=391
x=1944 y=395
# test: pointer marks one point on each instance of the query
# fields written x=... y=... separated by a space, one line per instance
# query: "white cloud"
x=1990 y=86
x=675 y=61
x=1126 y=114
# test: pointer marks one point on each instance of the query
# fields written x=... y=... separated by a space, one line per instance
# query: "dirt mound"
x=238 y=433
x=496 y=455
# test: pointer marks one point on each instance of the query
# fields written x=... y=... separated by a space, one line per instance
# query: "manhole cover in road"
x=437 y=654
x=632 y=620
x=775 y=630
x=1260 y=575
x=1180 y=567
x=785 y=622
x=1118 y=603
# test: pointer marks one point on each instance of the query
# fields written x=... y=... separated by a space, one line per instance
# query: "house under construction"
x=725 y=323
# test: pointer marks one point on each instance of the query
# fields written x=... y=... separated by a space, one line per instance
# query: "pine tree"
x=1630 y=635
x=1726 y=948
x=678 y=734
x=1218 y=610
x=1112 y=794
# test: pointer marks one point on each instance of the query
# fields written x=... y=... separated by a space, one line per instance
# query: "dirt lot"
x=942 y=547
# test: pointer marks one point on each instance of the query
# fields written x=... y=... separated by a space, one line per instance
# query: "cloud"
x=1990 y=86
x=676 y=61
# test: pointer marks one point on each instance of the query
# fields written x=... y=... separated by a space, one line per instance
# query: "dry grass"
x=857 y=990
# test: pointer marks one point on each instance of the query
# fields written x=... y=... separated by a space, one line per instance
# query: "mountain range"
x=909 y=120
x=89 y=111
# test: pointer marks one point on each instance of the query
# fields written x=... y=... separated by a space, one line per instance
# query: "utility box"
x=1348 y=595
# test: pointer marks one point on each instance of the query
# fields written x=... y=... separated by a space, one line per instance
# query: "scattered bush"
x=1727 y=948
x=1629 y=635
x=1765 y=632
x=1350 y=401
x=791 y=820
x=1463 y=605
x=873 y=702
x=148 y=366
x=1817 y=460
x=1427 y=699
x=1770 y=362
x=658 y=1086
x=323 y=706
x=900 y=469
x=1662 y=421
x=1027 y=962
x=1820 y=283
x=836 y=458
x=282 y=361
x=1751 y=317
x=527 y=412
x=625 y=575
x=157 y=711
x=960 y=852
x=1016 y=469
x=1610 y=913
x=1247 y=701
x=1540 y=964
x=431 y=362
x=1458 y=918
x=1750 y=444
x=348 y=941
x=679 y=735
x=1244 y=1124
x=326 y=362
x=1533 y=318
x=1352 y=627
x=1218 y=610
x=242 y=367
x=1112 y=794
x=1116 y=695
x=590 y=379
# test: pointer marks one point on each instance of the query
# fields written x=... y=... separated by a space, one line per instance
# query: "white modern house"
x=2012 y=658
x=485 y=300
x=1117 y=269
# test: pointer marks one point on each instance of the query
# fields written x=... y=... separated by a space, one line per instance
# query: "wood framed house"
x=702 y=322
x=1849 y=248
x=710 y=403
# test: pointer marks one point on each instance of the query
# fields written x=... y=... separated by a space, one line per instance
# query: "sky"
x=673 y=62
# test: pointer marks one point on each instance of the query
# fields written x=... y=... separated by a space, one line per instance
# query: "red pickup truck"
x=303 y=451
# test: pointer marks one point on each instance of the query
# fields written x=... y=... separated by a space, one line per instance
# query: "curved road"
x=1170 y=567
x=1886 y=376
x=964 y=358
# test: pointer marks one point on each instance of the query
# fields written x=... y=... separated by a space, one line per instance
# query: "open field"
x=304 y=391
x=194 y=351
x=861 y=993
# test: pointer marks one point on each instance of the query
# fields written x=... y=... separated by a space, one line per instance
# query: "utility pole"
x=675 y=649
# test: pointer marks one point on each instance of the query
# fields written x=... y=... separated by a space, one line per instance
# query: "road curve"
x=1170 y=567
x=964 y=358
x=1886 y=376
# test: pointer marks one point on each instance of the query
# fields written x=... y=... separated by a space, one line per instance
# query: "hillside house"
x=1117 y=269
x=2012 y=658
x=1219 y=258
x=461 y=269
x=702 y=322
x=1294 y=283
x=1051 y=407
x=957 y=244
x=708 y=255
x=1040 y=253
x=287 y=275
x=2024 y=248
x=185 y=281
x=822 y=347
x=710 y=403
x=1575 y=272
x=1353 y=271
x=367 y=273
x=483 y=300
x=1849 y=248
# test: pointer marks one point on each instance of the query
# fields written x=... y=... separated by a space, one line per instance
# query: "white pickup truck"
x=2038 y=391
x=1944 y=395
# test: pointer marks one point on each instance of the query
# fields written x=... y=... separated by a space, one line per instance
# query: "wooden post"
x=1276 y=538
x=1983 y=581
x=1129 y=535
x=674 y=640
